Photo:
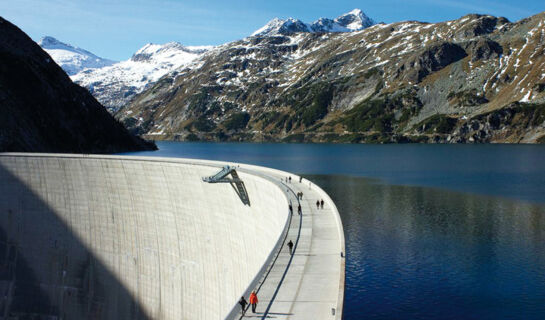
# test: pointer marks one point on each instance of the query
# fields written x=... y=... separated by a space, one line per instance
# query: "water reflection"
x=424 y=253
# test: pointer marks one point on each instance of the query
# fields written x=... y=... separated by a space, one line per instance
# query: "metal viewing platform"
x=235 y=181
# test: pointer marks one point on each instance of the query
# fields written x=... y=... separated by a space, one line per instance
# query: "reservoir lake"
x=432 y=231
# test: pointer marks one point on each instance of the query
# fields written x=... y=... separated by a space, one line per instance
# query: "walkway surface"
x=310 y=283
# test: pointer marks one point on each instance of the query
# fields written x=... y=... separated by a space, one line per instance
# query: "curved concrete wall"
x=99 y=237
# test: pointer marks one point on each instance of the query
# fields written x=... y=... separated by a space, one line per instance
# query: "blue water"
x=428 y=253
x=515 y=171
x=432 y=231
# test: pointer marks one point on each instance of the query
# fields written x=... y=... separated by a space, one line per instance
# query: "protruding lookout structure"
x=236 y=183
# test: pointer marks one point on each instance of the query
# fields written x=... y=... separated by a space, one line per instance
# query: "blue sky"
x=115 y=29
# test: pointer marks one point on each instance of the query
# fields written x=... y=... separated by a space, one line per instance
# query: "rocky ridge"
x=475 y=79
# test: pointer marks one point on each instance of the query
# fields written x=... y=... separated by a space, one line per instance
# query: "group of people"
x=320 y=204
x=288 y=179
x=299 y=210
x=253 y=296
x=253 y=302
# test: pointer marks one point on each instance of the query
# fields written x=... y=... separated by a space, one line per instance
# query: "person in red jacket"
x=253 y=300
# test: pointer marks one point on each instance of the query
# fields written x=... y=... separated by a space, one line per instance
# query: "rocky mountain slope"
x=72 y=59
x=115 y=85
x=42 y=110
x=475 y=79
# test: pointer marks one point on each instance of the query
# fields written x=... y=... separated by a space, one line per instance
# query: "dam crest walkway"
x=309 y=283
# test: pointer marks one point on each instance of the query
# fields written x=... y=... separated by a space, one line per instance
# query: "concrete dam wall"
x=98 y=237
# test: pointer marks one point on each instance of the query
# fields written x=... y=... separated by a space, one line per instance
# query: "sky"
x=115 y=29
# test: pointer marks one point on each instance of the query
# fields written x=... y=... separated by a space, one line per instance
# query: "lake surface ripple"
x=426 y=253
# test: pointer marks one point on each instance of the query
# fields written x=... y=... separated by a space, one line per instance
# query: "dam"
x=121 y=237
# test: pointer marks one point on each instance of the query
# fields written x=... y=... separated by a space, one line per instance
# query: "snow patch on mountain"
x=282 y=26
x=172 y=52
x=354 y=20
x=72 y=59
x=116 y=84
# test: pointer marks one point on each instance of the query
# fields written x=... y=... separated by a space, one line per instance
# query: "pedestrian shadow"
x=280 y=314
x=270 y=315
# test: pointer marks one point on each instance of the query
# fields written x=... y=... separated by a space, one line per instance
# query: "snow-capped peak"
x=115 y=85
x=356 y=12
x=352 y=21
x=152 y=50
x=282 y=26
x=72 y=59
x=48 y=42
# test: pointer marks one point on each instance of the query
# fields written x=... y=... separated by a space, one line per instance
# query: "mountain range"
x=42 y=110
x=115 y=83
x=479 y=78
x=354 y=20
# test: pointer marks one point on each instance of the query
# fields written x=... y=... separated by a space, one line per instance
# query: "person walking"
x=243 y=304
x=291 y=208
x=317 y=204
x=301 y=195
x=253 y=300
x=299 y=209
x=300 y=179
x=290 y=245
x=322 y=203
x=290 y=179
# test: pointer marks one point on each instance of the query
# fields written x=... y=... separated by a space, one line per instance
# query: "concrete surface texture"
x=107 y=237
